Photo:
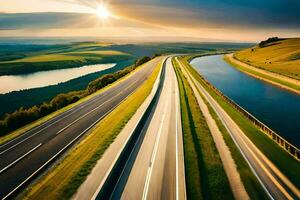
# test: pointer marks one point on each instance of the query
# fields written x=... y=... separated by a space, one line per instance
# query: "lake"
x=277 y=108
x=45 y=78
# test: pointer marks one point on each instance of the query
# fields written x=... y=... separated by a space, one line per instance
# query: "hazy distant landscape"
x=34 y=56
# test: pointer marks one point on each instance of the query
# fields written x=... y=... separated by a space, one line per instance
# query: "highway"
x=155 y=167
x=274 y=182
x=23 y=158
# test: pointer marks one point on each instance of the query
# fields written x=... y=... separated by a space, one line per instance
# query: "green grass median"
x=65 y=178
x=205 y=175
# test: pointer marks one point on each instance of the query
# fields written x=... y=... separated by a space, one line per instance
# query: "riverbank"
x=278 y=80
x=277 y=155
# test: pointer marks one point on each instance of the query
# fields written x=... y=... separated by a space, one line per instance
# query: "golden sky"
x=146 y=20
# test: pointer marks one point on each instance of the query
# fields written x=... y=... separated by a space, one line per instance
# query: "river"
x=45 y=78
x=277 y=108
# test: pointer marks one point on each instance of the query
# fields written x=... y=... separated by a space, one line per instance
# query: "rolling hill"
x=281 y=56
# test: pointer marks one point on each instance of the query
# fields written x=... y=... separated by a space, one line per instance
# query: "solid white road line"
x=20 y=158
x=176 y=115
x=156 y=85
x=154 y=152
x=65 y=147
x=149 y=172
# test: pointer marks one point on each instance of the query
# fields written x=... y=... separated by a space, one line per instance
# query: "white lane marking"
x=154 y=152
x=41 y=129
x=53 y=157
x=61 y=130
x=118 y=155
x=20 y=158
x=177 y=176
x=149 y=172
x=64 y=118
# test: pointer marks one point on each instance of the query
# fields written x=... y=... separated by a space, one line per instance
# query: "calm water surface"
x=277 y=108
x=41 y=79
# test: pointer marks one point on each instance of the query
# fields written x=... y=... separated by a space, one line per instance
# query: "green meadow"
x=282 y=57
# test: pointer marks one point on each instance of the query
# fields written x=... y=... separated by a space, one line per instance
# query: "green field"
x=287 y=164
x=81 y=160
x=205 y=175
x=282 y=57
x=28 y=59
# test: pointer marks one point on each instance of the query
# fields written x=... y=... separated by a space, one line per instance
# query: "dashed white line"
x=20 y=158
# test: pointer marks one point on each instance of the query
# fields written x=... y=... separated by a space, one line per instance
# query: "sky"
x=161 y=20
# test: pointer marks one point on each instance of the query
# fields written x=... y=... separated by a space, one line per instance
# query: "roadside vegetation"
x=80 y=161
x=23 y=116
x=251 y=184
x=276 y=55
x=287 y=164
x=205 y=175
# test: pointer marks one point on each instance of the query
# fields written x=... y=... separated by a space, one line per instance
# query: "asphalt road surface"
x=26 y=156
x=155 y=169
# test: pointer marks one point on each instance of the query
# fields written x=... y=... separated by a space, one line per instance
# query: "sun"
x=103 y=12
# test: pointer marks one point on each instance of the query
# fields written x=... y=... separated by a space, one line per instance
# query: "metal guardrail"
x=287 y=146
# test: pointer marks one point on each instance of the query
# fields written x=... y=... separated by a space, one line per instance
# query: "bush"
x=142 y=60
x=268 y=41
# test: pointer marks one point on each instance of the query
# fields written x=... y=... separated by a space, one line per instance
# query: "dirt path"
x=267 y=73
x=233 y=175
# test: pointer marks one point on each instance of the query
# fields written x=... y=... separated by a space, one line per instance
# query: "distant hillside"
x=277 y=55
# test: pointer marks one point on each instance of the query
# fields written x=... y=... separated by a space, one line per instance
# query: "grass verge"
x=277 y=155
x=65 y=178
x=205 y=175
x=257 y=74
x=251 y=184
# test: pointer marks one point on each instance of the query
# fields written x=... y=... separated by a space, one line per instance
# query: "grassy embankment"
x=266 y=77
x=279 y=56
x=23 y=120
x=205 y=175
x=80 y=161
x=277 y=155
x=282 y=57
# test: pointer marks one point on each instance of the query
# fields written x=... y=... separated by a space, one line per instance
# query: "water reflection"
x=276 y=107
x=41 y=79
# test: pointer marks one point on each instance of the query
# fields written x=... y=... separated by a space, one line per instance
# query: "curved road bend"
x=156 y=168
x=24 y=157
x=274 y=182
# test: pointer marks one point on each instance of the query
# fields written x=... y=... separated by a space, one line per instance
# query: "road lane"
x=273 y=181
x=156 y=172
x=52 y=143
